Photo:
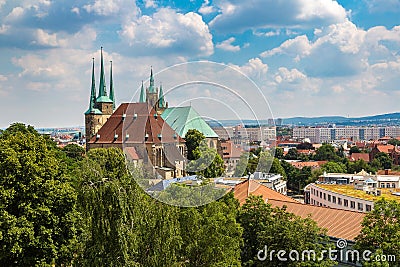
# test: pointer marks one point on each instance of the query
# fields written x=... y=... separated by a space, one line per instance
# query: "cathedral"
x=149 y=132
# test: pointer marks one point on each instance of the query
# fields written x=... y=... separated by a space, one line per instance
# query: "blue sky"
x=308 y=57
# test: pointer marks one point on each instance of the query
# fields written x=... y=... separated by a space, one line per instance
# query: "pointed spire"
x=102 y=97
x=142 y=98
x=152 y=89
x=102 y=91
x=112 y=97
x=161 y=98
x=92 y=103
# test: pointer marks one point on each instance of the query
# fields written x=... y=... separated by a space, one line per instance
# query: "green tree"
x=334 y=167
x=276 y=229
x=292 y=154
x=278 y=152
x=384 y=161
x=123 y=225
x=394 y=142
x=211 y=235
x=305 y=146
x=206 y=163
x=326 y=152
x=74 y=151
x=193 y=139
x=354 y=149
x=39 y=221
x=380 y=231
x=276 y=167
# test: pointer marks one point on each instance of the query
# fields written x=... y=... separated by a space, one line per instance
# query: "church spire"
x=161 y=98
x=152 y=89
x=142 y=98
x=102 y=97
x=92 y=102
x=112 y=97
x=102 y=91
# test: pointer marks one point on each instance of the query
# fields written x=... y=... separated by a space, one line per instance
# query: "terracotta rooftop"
x=385 y=148
x=339 y=223
x=130 y=124
x=312 y=164
x=251 y=187
x=357 y=156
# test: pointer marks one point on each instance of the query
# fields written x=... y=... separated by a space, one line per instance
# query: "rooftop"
x=349 y=190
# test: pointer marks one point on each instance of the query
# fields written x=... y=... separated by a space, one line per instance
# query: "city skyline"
x=308 y=58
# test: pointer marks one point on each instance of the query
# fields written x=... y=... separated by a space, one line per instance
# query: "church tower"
x=100 y=108
x=154 y=96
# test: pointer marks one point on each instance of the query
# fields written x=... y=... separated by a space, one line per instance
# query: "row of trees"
x=64 y=207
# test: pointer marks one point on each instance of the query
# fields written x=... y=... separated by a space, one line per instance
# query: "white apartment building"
x=325 y=134
x=319 y=196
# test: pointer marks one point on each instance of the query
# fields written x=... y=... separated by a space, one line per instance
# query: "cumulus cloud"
x=228 y=46
x=169 y=31
x=238 y=16
x=383 y=5
x=150 y=4
x=206 y=8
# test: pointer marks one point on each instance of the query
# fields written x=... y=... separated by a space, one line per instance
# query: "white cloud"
x=227 y=45
x=238 y=16
x=15 y=14
x=381 y=6
x=168 y=30
x=46 y=39
x=150 y=4
x=105 y=7
x=206 y=9
x=290 y=76
x=299 y=46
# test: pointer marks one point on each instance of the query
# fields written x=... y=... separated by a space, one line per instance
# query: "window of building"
x=352 y=204
x=329 y=198
x=339 y=201
x=325 y=196
x=393 y=185
x=382 y=185
x=360 y=206
x=387 y=185
x=345 y=202
x=320 y=194
x=334 y=199
x=368 y=207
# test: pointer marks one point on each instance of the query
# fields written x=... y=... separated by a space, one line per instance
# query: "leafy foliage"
x=381 y=230
x=38 y=215
x=278 y=229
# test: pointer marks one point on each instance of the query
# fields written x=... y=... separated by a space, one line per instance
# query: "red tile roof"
x=339 y=223
x=312 y=164
x=385 y=148
x=133 y=128
x=357 y=156
x=251 y=187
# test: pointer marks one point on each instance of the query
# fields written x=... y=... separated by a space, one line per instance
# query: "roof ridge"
x=309 y=205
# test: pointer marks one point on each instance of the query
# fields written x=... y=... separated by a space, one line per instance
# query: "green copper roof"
x=91 y=109
x=142 y=98
x=152 y=88
x=102 y=87
x=104 y=99
x=112 y=87
x=161 y=102
x=182 y=119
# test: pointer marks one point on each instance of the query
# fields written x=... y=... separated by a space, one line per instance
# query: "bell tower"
x=100 y=108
